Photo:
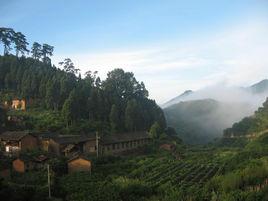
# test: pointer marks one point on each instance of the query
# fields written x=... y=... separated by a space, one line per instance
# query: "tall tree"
x=36 y=51
x=20 y=43
x=155 y=131
x=69 y=110
x=47 y=51
x=114 y=119
x=6 y=37
x=68 y=66
x=52 y=94
x=132 y=116
x=91 y=77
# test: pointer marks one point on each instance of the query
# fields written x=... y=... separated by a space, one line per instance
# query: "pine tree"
x=36 y=51
x=20 y=43
x=47 y=51
x=6 y=37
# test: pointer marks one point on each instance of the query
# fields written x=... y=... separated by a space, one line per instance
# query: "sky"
x=170 y=45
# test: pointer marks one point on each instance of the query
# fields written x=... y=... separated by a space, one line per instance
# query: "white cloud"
x=236 y=56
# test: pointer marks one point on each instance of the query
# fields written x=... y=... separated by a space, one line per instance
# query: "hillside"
x=201 y=121
x=251 y=124
x=178 y=98
x=255 y=89
x=202 y=115
x=259 y=87
x=60 y=100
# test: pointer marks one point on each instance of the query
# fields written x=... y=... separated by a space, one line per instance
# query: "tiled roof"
x=124 y=137
x=14 y=135
x=70 y=139
x=78 y=156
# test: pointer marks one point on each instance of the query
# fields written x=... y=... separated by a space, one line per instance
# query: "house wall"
x=44 y=144
x=79 y=165
x=18 y=165
x=28 y=142
x=123 y=146
x=54 y=147
x=19 y=104
x=89 y=146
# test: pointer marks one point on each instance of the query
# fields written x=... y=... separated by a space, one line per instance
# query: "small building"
x=67 y=145
x=116 y=143
x=44 y=139
x=25 y=164
x=79 y=164
x=14 y=142
x=18 y=104
x=168 y=147
x=107 y=144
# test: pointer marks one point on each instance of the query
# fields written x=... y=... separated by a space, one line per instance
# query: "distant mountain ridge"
x=260 y=87
x=199 y=119
x=257 y=88
x=177 y=98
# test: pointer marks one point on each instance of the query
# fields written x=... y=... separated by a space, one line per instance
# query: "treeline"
x=249 y=125
x=120 y=100
x=17 y=41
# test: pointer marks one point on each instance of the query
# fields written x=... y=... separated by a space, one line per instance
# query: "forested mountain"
x=212 y=93
x=201 y=121
x=252 y=124
x=177 y=99
x=118 y=103
x=202 y=115
x=259 y=87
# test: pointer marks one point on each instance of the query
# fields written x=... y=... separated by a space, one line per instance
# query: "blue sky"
x=171 y=45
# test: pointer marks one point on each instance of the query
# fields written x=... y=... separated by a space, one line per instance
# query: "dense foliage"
x=119 y=103
x=201 y=121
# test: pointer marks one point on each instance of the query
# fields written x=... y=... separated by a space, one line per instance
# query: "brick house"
x=18 y=104
x=79 y=164
x=67 y=145
x=13 y=142
x=108 y=144
x=24 y=164
x=116 y=143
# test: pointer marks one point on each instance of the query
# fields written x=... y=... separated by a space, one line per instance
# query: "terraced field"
x=178 y=173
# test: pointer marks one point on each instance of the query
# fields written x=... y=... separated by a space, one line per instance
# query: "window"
x=113 y=146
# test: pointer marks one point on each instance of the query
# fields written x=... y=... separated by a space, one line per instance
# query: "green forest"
x=61 y=99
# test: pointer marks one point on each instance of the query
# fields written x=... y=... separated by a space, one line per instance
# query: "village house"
x=24 y=163
x=13 y=142
x=44 y=139
x=79 y=164
x=18 y=104
x=116 y=143
x=67 y=145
